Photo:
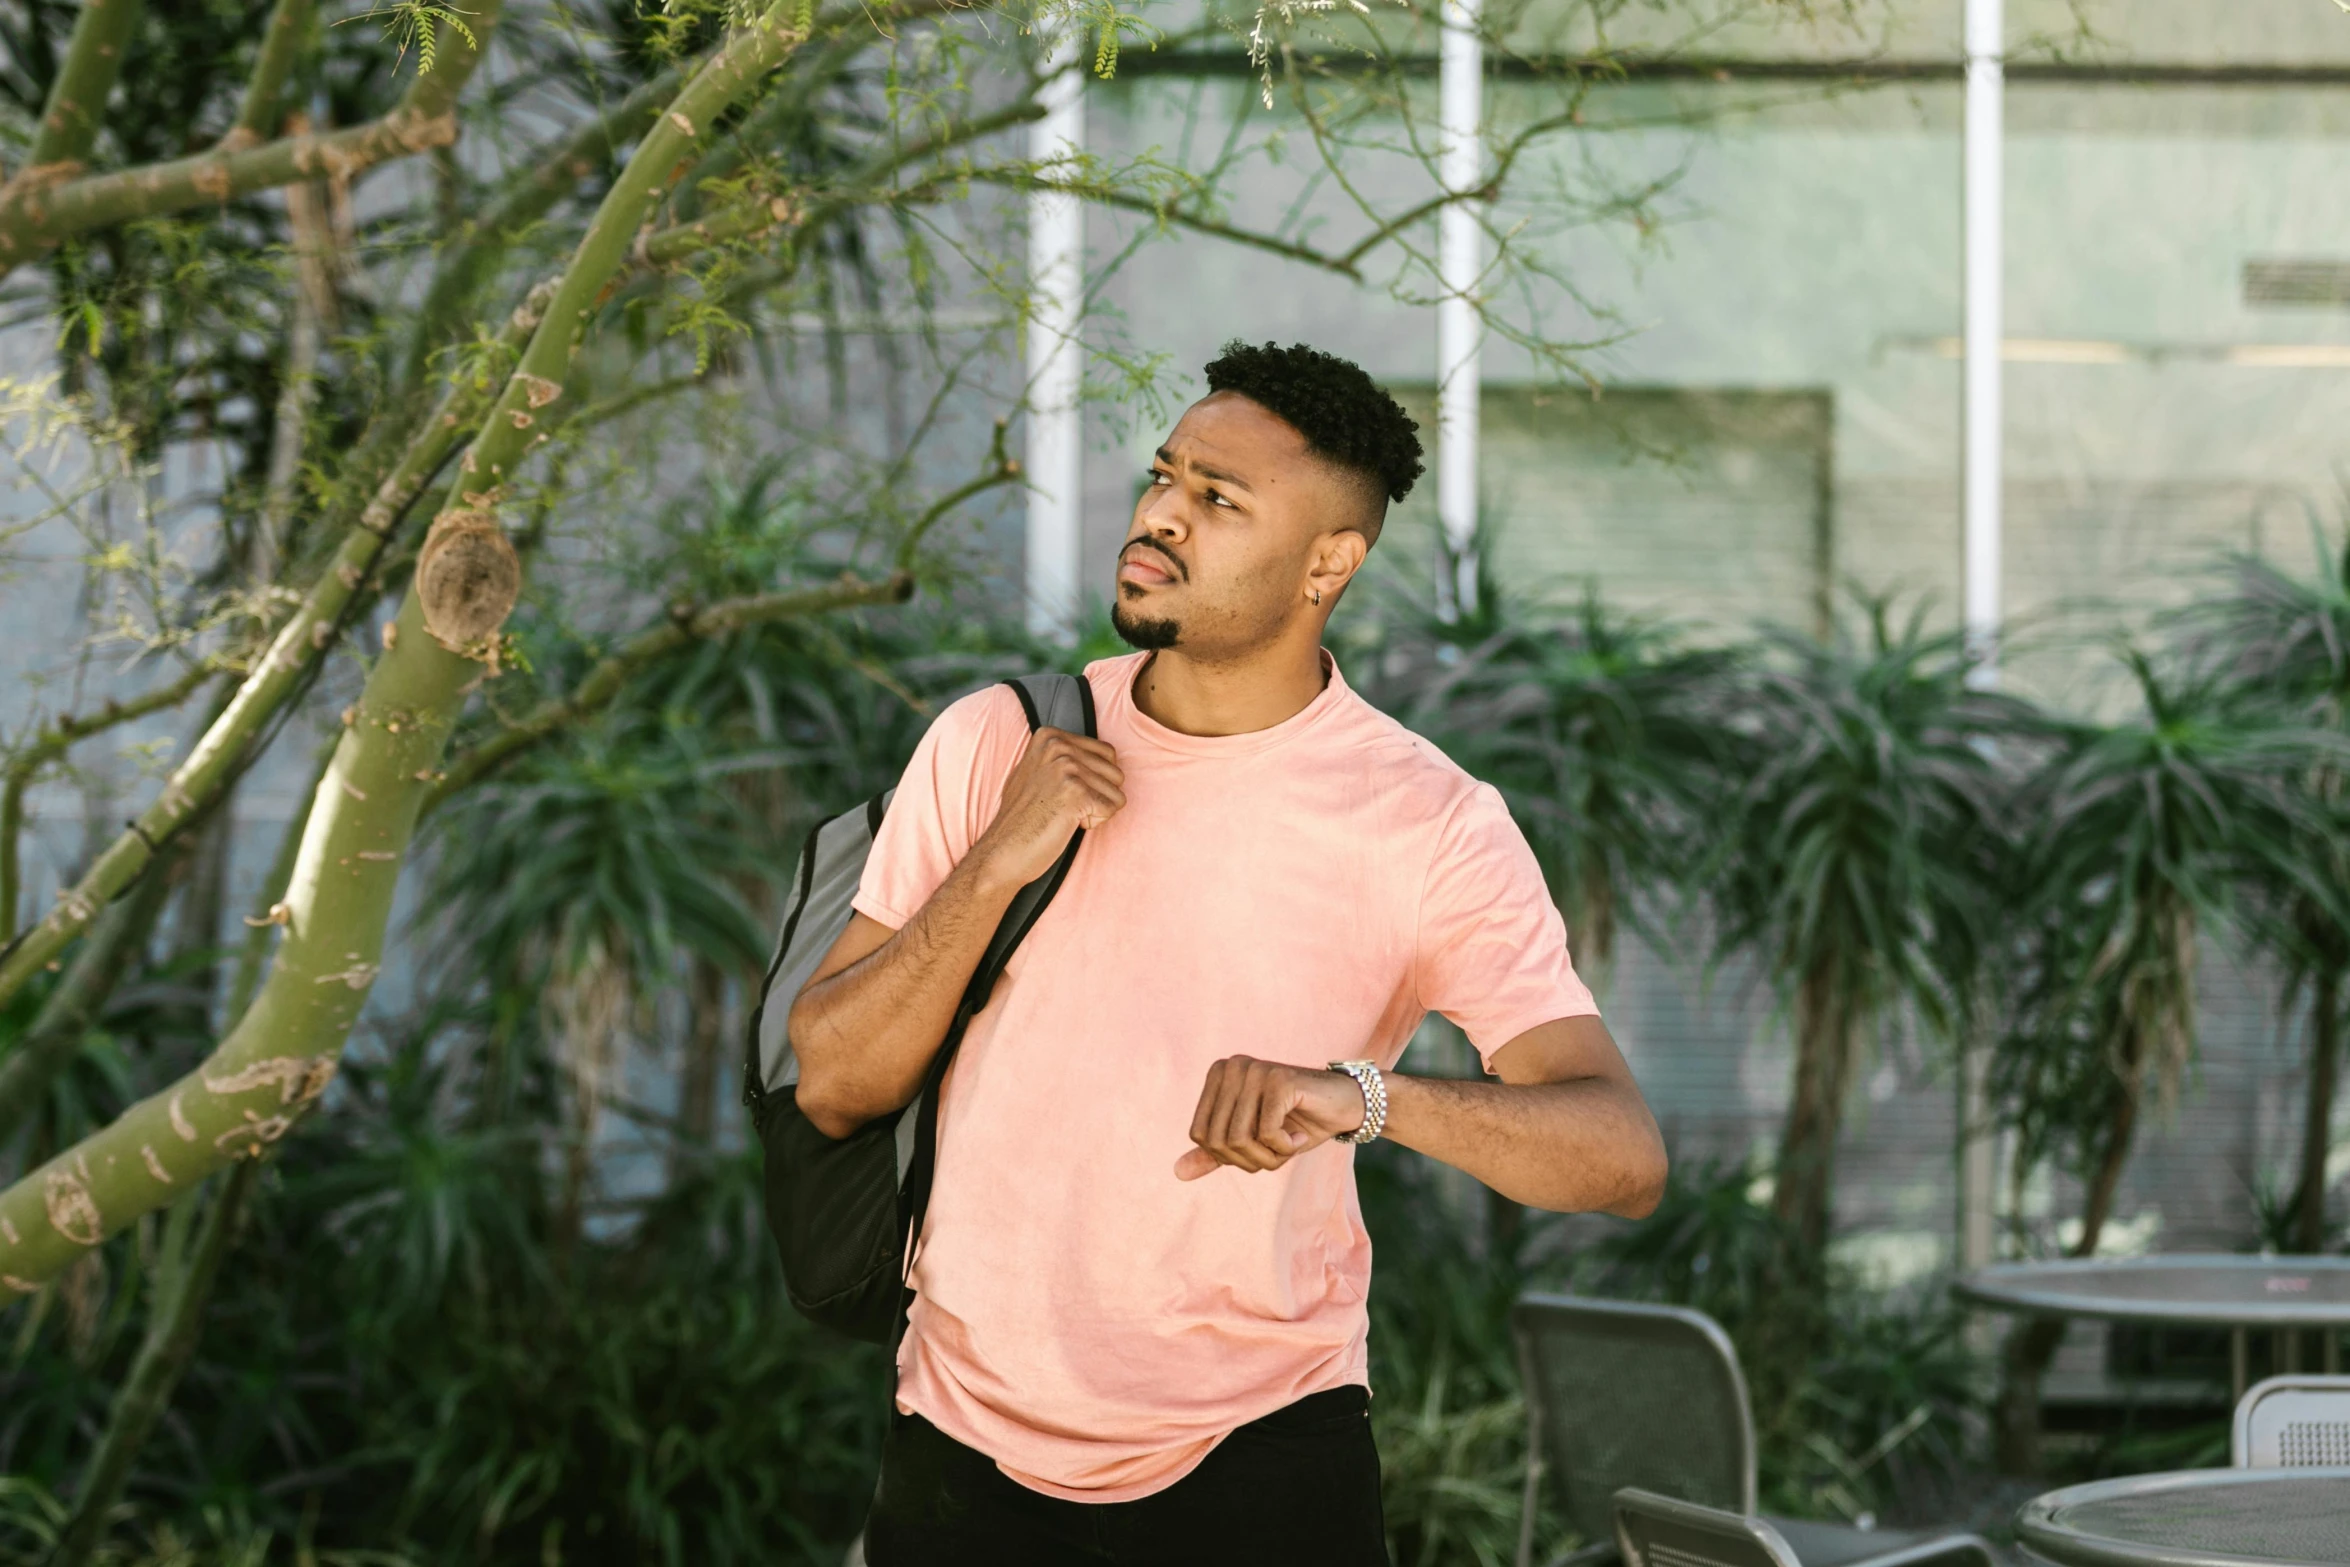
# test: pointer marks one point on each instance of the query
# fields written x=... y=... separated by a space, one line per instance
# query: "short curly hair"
x=1346 y=417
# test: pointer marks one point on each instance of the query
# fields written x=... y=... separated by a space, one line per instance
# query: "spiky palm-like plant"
x=2141 y=831
x=2283 y=642
x=584 y=883
x=1858 y=836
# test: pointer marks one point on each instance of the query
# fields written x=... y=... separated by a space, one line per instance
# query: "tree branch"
x=290 y=427
x=64 y=1020
x=279 y=1057
x=1488 y=191
x=810 y=70
x=1102 y=193
x=77 y=98
x=52 y=742
x=67 y=729
x=842 y=40
x=1003 y=469
x=613 y=673
x=281 y=45
x=528 y=196
x=272 y=681
x=35 y=215
x=861 y=187
x=533 y=192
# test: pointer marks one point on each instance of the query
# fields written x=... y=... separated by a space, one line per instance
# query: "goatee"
x=1139 y=631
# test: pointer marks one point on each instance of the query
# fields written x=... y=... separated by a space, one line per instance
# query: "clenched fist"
x=1259 y=1115
x=1061 y=783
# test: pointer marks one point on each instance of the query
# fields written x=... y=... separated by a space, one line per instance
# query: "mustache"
x=1145 y=541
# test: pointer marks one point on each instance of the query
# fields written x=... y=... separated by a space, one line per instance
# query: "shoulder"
x=975 y=733
x=979 y=714
x=1417 y=794
x=1407 y=763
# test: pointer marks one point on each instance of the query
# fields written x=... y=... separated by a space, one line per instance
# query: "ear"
x=1332 y=563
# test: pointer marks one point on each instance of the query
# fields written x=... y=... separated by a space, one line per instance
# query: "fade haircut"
x=1346 y=418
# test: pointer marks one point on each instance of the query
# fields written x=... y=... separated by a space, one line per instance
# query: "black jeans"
x=1299 y=1488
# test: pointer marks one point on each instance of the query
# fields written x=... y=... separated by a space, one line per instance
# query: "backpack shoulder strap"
x=1051 y=701
x=1056 y=701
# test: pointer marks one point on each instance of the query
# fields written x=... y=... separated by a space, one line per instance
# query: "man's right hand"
x=868 y=1021
x=1062 y=782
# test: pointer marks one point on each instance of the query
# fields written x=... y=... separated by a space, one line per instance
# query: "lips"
x=1143 y=566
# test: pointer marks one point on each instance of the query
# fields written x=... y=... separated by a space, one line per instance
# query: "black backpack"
x=845 y=1212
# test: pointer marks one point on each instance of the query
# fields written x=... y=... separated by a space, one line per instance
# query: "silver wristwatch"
x=1373 y=1083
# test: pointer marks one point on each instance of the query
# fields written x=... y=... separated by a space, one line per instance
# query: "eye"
x=1216 y=498
x=1159 y=480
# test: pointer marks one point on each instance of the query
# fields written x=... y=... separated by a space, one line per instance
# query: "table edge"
x=1987 y=1287
x=2037 y=1529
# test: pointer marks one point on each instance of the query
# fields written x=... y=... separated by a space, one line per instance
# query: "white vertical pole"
x=1459 y=260
x=1985 y=109
x=1056 y=360
x=1980 y=545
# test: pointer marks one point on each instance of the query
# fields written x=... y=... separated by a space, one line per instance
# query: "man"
x=1139 y=1328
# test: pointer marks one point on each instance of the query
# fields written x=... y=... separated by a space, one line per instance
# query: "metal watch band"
x=1373 y=1083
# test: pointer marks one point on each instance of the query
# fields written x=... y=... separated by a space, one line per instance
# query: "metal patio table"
x=2196 y=1518
x=2179 y=1289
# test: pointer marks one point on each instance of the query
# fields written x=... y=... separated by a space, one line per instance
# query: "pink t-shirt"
x=1306 y=893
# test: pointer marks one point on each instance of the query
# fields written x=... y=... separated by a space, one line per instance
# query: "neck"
x=1195 y=697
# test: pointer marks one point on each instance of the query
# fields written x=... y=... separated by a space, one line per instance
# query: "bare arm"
x=873 y=1014
x=1564 y=1129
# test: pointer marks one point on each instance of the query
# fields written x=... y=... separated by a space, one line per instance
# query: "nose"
x=1161 y=514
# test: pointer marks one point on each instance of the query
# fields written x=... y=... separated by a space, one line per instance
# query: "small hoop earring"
x=1317 y=595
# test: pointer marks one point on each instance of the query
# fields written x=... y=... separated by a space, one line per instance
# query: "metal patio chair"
x=1661 y=1531
x=1620 y=1394
x=2294 y=1422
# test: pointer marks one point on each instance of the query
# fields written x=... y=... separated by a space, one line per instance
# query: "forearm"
x=1579 y=1146
x=865 y=1035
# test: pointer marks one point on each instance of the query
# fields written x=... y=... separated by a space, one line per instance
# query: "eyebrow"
x=1206 y=472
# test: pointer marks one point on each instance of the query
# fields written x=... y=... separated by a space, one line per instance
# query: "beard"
x=1145 y=632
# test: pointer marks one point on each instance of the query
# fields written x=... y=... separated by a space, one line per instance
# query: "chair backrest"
x=1661 y=1531
x=2294 y=1422
x=1623 y=1394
